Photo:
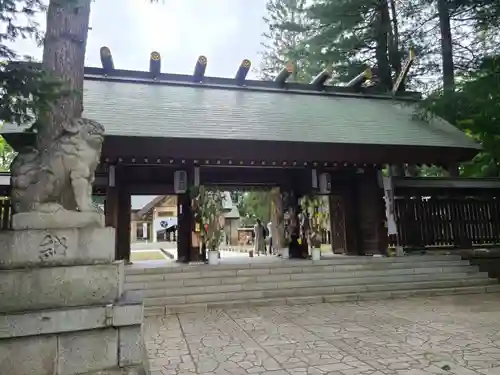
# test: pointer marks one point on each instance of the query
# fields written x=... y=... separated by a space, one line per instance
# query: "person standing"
x=270 y=235
x=259 y=238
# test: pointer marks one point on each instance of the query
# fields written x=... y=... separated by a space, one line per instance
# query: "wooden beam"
x=156 y=148
x=446 y=183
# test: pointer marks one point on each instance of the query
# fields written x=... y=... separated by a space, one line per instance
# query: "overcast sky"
x=226 y=31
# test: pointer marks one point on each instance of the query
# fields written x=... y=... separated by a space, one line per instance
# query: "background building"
x=154 y=218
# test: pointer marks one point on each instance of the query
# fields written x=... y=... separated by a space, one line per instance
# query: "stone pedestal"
x=62 y=306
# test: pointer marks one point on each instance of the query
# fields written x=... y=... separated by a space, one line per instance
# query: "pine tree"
x=352 y=34
x=288 y=25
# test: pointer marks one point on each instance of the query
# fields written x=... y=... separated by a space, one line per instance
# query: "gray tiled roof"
x=154 y=110
x=139 y=201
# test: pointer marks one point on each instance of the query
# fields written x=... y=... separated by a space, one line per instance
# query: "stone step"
x=270 y=270
x=213 y=285
x=354 y=286
x=276 y=264
x=326 y=298
x=210 y=281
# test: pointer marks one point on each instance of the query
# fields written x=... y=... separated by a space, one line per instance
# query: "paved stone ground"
x=444 y=335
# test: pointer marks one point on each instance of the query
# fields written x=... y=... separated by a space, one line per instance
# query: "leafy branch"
x=209 y=207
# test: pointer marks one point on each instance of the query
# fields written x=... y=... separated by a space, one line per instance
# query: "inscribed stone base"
x=56 y=247
x=57 y=220
x=105 y=351
x=58 y=287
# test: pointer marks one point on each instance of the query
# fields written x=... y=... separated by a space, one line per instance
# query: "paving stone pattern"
x=452 y=335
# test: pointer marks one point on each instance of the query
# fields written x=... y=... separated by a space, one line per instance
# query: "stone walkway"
x=444 y=335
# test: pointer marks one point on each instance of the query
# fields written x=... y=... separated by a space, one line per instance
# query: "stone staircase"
x=186 y=288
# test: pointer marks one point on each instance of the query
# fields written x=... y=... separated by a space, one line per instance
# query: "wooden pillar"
x=123 y=224
x=185 y=227
x=397 y=170
x=412 y=170
x=337 y=223
x=111 y=207
x=372 y=218
x=453 y=170
x=352 y=219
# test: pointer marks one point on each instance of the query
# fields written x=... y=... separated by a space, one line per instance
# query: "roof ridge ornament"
x=155 y=64
x=357 y=82
x=200 y=68
x=320 y=80
x=106 y=60
x=284 y=74
x=242 y=72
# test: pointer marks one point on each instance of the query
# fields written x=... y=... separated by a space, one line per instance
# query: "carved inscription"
x=52 y=246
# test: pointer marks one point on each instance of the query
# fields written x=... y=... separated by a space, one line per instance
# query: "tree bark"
x=446 y=45
x=382 y=32
x=64 y=57
x=394 y=52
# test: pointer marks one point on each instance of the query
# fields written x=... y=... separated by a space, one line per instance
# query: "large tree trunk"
x=446 y=45
x=382 y=31
x=64 y=57
x=394 y=52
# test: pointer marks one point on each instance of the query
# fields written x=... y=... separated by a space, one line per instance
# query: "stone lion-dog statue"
x=56 y=184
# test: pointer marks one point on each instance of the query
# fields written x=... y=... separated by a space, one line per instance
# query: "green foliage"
x=473 y=107
x=255 y=205
x=347 y=33
x=354 y=34
x=26 y=90
x=210 y=207
x=288 y=25
x=432 y=171
x=6 y=155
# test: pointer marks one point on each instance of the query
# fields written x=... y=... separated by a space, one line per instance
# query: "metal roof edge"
x=170 y=79
x=286 y=90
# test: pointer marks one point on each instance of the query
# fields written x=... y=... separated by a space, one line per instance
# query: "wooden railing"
x=5 y=213
x=440 y=222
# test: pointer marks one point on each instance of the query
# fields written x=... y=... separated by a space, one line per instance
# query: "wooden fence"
x=440 y=222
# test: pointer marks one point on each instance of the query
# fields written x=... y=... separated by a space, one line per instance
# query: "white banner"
x=389 y=205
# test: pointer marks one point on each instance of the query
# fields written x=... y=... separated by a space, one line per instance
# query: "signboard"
x=164 y=223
